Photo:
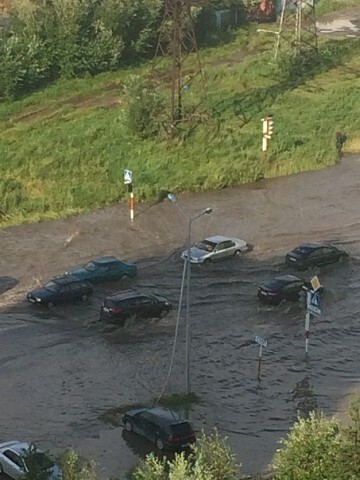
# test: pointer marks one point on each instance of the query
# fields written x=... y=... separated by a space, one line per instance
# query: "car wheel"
x=237 y=253
x=128 y=426
x=164 y=313
x=342 y=258
x=1 y=469
x=84 y=298
x=159 y=444
x=125 y=276
x=50 y=305
x=207 y=261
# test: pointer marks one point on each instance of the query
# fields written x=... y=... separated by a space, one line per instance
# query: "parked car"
x=118 y=307
x=286 y=287
x=61 y=290
x=13 y=456
x=314 y=254
x=104 y=269
x=161 y=426
x=215 y=248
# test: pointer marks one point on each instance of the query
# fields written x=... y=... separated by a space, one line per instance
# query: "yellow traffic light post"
x=268 y=130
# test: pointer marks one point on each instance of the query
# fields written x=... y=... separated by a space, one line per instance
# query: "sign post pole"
x=312 y=307
x=262 y=343
x=128 y=182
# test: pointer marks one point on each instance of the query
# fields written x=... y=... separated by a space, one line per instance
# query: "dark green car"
x=104 y=269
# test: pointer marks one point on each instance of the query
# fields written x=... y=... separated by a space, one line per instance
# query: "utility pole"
x=297 y=29
x=177 y=40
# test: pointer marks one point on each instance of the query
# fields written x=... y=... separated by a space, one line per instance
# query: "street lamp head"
x=208 y=210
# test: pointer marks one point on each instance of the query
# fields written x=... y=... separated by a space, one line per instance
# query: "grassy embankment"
x=63 y=150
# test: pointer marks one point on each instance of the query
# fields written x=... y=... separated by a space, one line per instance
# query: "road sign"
x=127 y=177
x=315 y=283
x=261 y=341
x=313 y=306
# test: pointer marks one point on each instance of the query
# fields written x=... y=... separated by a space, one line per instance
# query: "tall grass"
x=64 y=150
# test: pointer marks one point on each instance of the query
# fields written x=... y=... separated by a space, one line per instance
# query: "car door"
x=291 y=291
x=103 y=273
x=330 y=255
x=64 y=294
x=76 y=291
x=219 y=251
x=145 y=426
x=146 y=307
x=14 y=466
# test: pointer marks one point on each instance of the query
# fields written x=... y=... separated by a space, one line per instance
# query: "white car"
x=13 y=460
x=215 y=248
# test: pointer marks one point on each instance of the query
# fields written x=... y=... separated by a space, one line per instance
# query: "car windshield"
x=206 y=245
x=303 y=251
x=52 y=286
x=91 y=267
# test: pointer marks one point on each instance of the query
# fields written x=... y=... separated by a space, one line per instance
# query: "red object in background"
x=264 y=10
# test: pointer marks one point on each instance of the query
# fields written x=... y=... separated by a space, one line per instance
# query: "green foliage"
x=71 y=38
x=349 y=453
x=310 y=450
x=146 y=109
x=327 y=6
x=73 y=469
x=211 y=459
x=38 y=464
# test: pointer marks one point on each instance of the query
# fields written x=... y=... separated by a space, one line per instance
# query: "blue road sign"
x=314 y=304
x=127 y=177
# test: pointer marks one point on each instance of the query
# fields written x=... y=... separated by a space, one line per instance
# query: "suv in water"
x=117 y=308
x=162 y=426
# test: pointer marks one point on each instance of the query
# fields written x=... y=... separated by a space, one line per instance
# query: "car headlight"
x=37 y=299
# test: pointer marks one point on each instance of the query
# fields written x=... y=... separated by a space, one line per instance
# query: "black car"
x=286 y=287
x=117 y=308
x=314 y=254
x=161 y=426
x=61 y=290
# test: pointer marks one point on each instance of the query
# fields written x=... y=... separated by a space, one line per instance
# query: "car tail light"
x=173 y=438
x=272 y=294
x=115 y=310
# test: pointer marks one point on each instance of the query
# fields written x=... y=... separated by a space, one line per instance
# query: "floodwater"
x=60 y=369
x=345 y=23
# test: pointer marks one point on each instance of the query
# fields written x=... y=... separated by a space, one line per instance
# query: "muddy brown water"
x=60 y=370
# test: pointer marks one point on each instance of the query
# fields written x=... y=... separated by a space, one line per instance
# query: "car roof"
x=165 y=414
x=219 y=238
x=312 y=246
x=106 y=259
x=125 y=294
x=15 y=445
x=66 y=279
x=287 y=278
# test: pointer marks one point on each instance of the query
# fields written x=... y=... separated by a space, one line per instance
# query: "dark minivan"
x=162 y=426
x=119 y=307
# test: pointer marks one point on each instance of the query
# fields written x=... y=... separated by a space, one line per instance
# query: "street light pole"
x=207 y=211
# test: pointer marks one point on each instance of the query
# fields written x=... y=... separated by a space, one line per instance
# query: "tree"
x=210 y=459
x=310 y=451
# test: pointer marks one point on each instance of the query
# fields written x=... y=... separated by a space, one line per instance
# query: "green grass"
x=328 y=6
x=63 y=150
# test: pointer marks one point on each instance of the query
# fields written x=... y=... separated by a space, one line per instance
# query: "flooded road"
x=61 y=370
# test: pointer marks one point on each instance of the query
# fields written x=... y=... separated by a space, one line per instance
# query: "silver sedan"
x=215 y=248
x=13 y=460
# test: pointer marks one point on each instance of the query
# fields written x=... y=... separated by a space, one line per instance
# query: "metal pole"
x=307 y=322
x=259 y=364
x=188 y=332
x=132 y=201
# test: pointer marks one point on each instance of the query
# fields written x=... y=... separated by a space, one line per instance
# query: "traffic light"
x=270 y=126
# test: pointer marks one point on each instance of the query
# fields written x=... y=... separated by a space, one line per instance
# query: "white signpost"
x=128 y=182
x=262 y=343
x=312 y=307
